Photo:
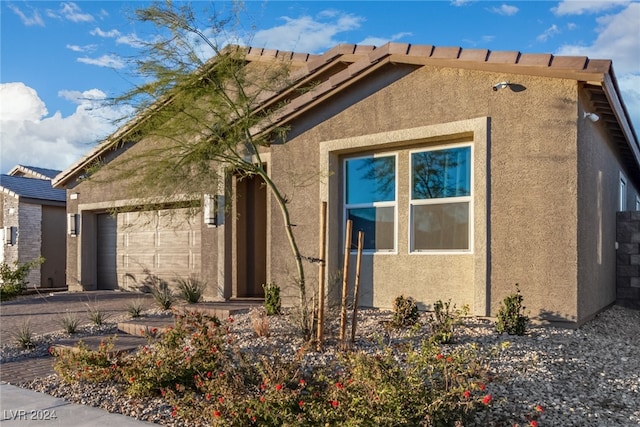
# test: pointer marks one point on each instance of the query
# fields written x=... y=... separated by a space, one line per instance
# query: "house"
x=469 y=171
x=33 y=216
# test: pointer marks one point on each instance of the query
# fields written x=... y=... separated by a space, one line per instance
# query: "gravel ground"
x=584 y=377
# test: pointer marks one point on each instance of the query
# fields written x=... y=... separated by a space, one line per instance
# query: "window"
x=623 y=193
x=440 y=199
x=370 y=200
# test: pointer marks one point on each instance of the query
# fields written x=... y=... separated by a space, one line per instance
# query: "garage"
x=131 y=245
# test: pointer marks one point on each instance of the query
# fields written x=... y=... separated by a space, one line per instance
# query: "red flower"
x=482 y=386
x=301 y=403
x=221 y=399
x=466 y=394
x=335 y=403
x=261 y=398
x=174 y=411
x=216 y=413
x=209 y=374
x=449 y=359
x=159 y=362
x=230 y=319
x=339 y=385
x=533 y=423
x=132 y=379
x=302 y=382
x=487 y=399
x=278 y=387
x=154 y=330
x=539 y=408
x=439 y=356
x=207 y=396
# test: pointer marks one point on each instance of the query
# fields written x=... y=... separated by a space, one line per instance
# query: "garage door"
x=165 y=243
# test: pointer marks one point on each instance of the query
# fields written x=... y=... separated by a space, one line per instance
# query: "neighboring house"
x=33 y=216
x=469 y=171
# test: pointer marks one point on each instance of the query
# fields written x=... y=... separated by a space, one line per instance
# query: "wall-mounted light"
x=500 y=85
x=10 y=235
x=591 y=116
x=73 y=224
x=209 y=210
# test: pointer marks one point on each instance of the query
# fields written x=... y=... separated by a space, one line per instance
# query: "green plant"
x=24 y=335
x=96 y=316
x=272 y=301
x=135 y=307
x=405 y=312
x=511 y=316
x=83 y=364
x=13 y=280
x=443 y=321
x=191 y=288
x=70 y=322
x=162 y=294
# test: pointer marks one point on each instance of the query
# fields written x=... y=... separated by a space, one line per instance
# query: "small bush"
x=70 y=322
x=14 y=279
x=190 y=289
x=95 y=315
x=24 y=336
x=511 y=317
x=162 y=294
x=260 y=321
x=135 y=307
x=405 y=312
x=443 y=321
x=272 y=301
x=83 y=364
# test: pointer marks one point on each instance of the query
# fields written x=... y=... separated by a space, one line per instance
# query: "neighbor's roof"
x=325 y=75
x=31 y=188
x=33 y=172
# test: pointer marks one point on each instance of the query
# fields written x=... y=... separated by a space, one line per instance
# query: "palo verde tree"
x=207 y=110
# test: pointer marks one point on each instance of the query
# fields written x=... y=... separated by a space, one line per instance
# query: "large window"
x=370 y=200
x=440 y=199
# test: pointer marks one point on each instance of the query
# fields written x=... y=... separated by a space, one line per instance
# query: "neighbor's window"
x=440 y=199
x=370 y=200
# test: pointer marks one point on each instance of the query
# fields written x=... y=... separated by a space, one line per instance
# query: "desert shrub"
x=162 y=294
x=272 y=301
x=14 y=279
x=135 y=307
x=405 y=312
x=95 y=315
x=511 y=315
x=70 y=322
x=83 y=364
x=24 y=335
x=260 y=321
x=190 y=289
x=443 y=321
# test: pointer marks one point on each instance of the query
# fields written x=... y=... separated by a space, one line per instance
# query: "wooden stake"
x=356 y=287
x=345 y=282
x=321 y=272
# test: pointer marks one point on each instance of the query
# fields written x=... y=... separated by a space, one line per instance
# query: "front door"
x=251 y=237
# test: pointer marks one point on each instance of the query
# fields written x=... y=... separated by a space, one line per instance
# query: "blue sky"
x=60 y=60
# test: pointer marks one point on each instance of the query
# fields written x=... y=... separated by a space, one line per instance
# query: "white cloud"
x=56 y=142
x=85 y=48
x=107 y=34
x=505 y=9
x=130 y=40
x=580 y=7
x=34 y=19
x=618 y=40
x=306 y=33
x=379 y=41
x=72 y=12
x=111 y=61
x=548 y=33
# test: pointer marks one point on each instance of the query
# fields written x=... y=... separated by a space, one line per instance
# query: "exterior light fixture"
x=500 y=85
x=73 y=224
x=210 y=210
x=10 y=235
x=591 y=116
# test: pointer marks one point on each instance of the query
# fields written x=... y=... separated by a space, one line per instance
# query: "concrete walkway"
x=21 y=408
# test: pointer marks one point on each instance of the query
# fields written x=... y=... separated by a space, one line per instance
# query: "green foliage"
x=14 y=279
x=24 y=336
x=443 y=321
x=160 y=291
x=70 y=322
x=272 y=301
x=191 y=288
x=135 y=307
x=95 y=315
x=199 y=372
x=511 y=315
x=405 y=312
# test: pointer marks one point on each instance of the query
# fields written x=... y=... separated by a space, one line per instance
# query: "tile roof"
x=31 y=188
x=33 y=172
x=317 y=77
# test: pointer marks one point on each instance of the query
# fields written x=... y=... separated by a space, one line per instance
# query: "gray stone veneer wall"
x=628 y=259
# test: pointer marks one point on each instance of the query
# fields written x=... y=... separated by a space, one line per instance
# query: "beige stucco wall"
x=531 y=209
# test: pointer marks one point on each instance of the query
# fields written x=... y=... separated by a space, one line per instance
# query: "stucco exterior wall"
x=531 y=212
